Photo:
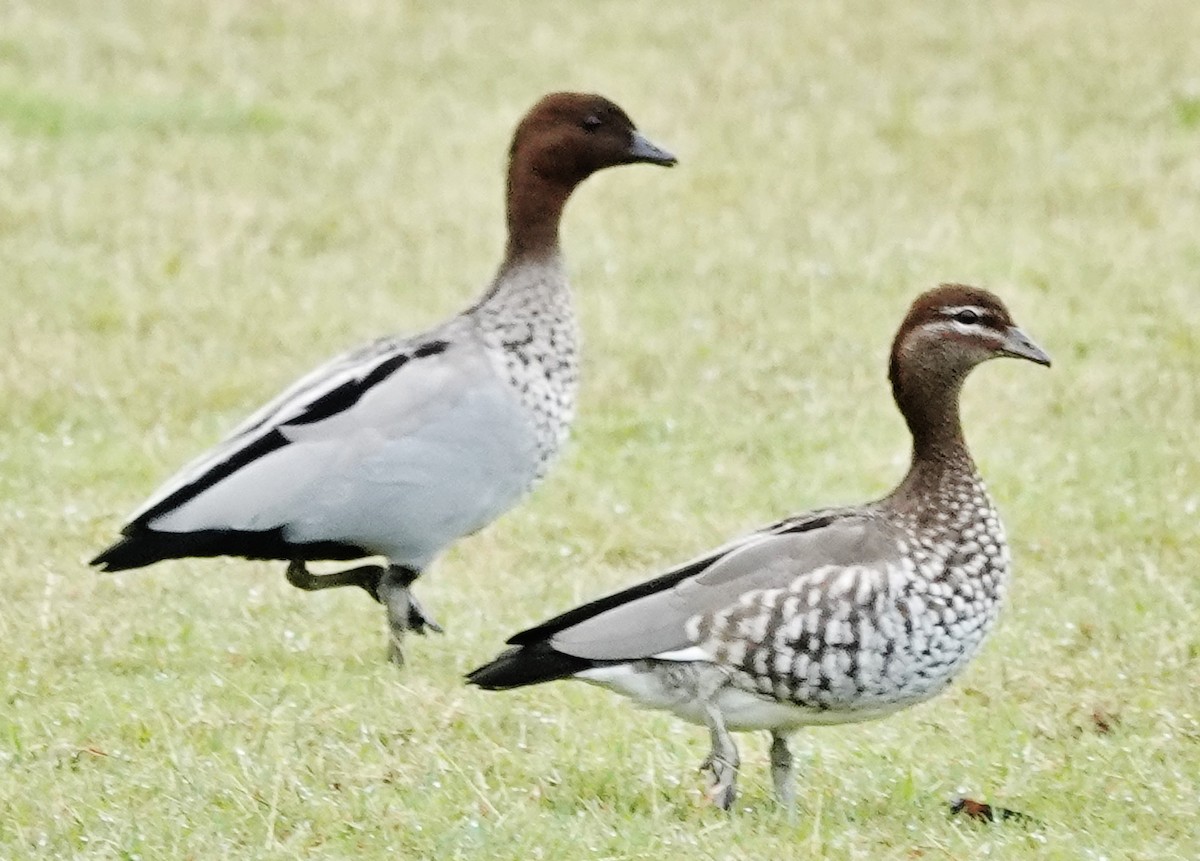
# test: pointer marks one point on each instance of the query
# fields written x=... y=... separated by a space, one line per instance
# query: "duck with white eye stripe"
x=407 y=444
x=834 y=616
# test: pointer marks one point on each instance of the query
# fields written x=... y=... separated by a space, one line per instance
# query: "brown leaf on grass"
x=983 y=812
x=1096 y=719
x=1104 y=721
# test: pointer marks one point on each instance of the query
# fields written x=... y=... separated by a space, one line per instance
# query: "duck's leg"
x=722 y=761
x=783 y=773
x=366 y=577
x=404 y=612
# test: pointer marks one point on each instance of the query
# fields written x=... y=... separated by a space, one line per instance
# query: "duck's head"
x=566 y=137
x=951 y=329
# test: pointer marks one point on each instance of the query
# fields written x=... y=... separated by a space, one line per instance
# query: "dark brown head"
x=564 y=139
x=947 y=332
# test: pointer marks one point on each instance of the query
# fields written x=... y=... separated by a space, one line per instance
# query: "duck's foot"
x=722 y=761
x=404 y=611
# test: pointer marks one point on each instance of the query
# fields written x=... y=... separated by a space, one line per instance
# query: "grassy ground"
x=198 y=201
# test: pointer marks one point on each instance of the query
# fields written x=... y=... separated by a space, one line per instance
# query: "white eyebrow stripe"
x=958 y=309
x=943 y=326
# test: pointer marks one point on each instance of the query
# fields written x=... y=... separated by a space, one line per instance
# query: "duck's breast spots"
x=530 y=326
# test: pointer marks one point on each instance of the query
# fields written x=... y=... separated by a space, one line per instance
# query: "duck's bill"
x=1020 y=346
x=641 y=149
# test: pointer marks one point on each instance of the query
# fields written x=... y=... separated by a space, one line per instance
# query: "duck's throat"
x=534 y=211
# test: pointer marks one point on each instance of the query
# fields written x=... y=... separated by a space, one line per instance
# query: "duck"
x=834 y=616
x=402 y=446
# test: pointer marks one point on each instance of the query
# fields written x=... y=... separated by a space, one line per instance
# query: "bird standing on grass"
x=407 y=444
x=835 y=616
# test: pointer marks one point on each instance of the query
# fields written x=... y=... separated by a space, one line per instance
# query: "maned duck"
x=399 y=448
x=838 y=615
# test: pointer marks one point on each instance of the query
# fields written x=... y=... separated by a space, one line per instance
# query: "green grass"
x=198 y=201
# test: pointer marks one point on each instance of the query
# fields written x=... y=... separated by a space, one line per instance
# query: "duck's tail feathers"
x=527 y=665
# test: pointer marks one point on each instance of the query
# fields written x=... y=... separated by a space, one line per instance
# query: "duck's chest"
x=871 y=639
x=946 y=607
x=536 y=346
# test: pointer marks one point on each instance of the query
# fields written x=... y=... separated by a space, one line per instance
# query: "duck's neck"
x=941 y=462
x=534 y=210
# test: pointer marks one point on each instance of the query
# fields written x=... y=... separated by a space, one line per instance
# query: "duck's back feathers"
x=420 y=430
x=651 y=620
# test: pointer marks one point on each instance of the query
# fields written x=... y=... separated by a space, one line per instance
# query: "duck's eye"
x=592 y=122
x=967 y=316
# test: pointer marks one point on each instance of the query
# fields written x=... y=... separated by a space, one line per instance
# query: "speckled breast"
x=869 y=638
x=537 y=336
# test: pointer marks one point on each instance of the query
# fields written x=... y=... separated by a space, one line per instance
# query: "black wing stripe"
x=600 y=605
x=817 y=520
x=261 y=447
x=348 y=393
x=430 y=348
x=658 y=584
x=330 y=403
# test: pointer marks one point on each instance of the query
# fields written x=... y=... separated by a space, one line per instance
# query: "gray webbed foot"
x=404 y=612
x=722 y=762
x=722 y=787
x=420 y=622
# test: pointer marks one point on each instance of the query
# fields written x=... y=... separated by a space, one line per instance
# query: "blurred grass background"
x=200 y=201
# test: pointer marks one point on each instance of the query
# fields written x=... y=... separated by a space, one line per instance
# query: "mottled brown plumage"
x=839 y=615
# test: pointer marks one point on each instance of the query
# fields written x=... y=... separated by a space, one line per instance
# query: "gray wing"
x=347 y=388
x=656 y=624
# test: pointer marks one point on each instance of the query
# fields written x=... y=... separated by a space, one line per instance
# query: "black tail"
x=132 y=551
x=141 y=546
x=527 y=665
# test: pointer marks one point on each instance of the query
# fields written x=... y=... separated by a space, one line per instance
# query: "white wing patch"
x=691 y=653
